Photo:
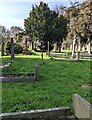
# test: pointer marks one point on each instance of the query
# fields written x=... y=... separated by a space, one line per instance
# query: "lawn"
x=4 y=61
x=59 y=80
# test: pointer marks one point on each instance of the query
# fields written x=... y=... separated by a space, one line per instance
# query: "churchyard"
x=58 y=81
x=45 y=70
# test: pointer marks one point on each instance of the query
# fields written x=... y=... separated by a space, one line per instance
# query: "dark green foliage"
x=60 y=30
x=7 y=48
x=17 y=48
x=2 y=39
x=40 y=23
x=44 y=46
x=45 y=25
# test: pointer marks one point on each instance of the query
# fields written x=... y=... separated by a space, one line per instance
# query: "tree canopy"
x=80 y=21
x=45 y=25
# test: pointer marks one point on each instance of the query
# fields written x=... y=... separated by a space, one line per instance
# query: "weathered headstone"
x=12 y=49
x=82 y=109
x=36 y=72
x=48 y=47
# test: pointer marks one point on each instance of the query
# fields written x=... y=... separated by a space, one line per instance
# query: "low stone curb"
x=63 y=112
x=6 y=79
x=34 y=77
x=64 y=59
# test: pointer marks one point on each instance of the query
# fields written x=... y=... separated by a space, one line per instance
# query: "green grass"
x=4 y=61
x=59 y=80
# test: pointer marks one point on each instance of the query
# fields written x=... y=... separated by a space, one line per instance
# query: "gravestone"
x=48 y=47
x=36 y=72
x=12 y=49
x=82 y=109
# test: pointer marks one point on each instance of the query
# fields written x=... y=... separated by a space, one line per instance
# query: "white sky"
x=35 y=1
x=13 y=12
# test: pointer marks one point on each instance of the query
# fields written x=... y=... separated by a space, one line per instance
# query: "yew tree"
x=45 y=25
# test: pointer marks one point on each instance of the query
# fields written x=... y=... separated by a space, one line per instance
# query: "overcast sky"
x=13 y=12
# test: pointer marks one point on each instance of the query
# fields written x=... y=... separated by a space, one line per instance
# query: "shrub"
x=17 y=48
x=44 y=46
x=7 y=48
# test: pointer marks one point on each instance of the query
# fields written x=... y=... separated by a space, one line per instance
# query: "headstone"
x=48 y=47
x=82 y=109
x=36 y=72
x=12 y=49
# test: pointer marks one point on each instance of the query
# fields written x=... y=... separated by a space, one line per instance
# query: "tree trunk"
x=59 y=48
x=26 y=43
x=12 y=49
x=35 y=45
x=32 y=45
x=42 y=58
x=2 y=49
